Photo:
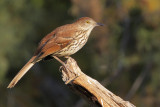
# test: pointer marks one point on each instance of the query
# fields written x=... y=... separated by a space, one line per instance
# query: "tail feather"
x=21 y=73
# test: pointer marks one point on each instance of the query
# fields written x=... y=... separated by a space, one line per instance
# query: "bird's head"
x=87 y=23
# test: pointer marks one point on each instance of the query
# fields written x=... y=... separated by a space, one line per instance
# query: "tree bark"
x=89 y=88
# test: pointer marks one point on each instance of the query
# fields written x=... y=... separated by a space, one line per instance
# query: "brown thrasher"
x=63 y=41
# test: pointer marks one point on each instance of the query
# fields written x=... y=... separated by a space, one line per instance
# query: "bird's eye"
x=87 y=22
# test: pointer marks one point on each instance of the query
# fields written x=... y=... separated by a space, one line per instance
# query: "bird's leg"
x=61 y=62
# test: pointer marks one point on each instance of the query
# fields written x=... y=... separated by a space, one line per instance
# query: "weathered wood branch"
x=90 y=88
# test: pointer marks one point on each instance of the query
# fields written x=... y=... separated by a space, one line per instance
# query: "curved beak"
x=99 y=24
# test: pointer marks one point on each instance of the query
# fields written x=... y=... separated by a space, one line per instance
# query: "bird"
x=61 y=42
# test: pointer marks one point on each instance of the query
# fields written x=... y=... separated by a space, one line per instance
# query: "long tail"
x=21 y=73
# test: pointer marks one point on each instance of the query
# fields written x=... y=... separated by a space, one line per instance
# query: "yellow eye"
x=87 y=22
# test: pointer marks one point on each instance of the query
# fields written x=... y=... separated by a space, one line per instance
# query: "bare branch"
x=90 y=88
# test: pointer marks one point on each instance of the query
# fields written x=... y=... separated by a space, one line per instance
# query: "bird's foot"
x=66 y=67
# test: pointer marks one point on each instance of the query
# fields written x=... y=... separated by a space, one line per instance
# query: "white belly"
x=75 y=45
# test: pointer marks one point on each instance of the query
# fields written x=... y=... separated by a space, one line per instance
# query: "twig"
x=139 y=81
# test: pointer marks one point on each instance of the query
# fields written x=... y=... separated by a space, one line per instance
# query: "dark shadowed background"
x=124 y=55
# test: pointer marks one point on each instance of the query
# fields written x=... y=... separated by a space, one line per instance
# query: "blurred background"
x=124 y=55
